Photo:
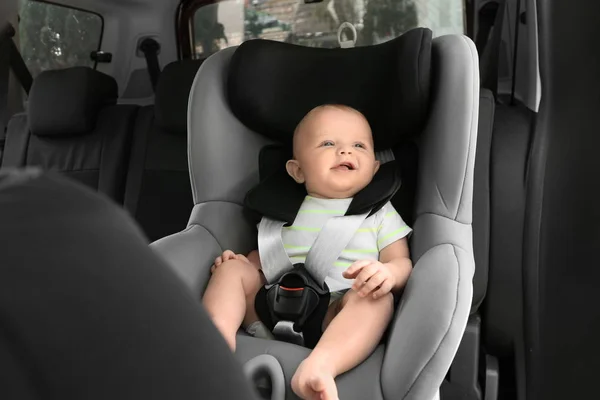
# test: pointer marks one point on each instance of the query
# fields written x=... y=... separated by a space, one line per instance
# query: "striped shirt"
x=376 y=232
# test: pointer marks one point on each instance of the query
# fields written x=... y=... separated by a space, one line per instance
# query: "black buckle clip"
x=292 y=305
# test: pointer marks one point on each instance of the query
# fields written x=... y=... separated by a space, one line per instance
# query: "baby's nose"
x=344 y=150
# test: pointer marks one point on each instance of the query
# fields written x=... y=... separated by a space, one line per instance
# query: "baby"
x=334 y=158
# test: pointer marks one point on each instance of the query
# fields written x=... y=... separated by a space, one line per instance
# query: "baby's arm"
x=397 y=258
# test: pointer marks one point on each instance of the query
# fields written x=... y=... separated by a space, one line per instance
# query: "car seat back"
x=158 y=192
x=73 y=126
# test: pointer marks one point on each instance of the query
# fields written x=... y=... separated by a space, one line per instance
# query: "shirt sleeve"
x=391 y=228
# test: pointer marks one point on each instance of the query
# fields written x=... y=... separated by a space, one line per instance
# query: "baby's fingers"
x=372 y=284
x=365 y=274
x=352 y=271
x=386 y=287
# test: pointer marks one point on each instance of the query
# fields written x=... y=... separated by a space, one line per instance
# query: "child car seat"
x=425 y=90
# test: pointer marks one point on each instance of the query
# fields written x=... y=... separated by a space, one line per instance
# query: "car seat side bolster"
x=447 y=147
x=190 y=254
x=213 y=227
x=430 y=320
x=217 y=141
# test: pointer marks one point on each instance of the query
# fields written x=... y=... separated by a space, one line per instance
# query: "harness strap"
x=332 y=240
x=274 y=260
x=329 y=244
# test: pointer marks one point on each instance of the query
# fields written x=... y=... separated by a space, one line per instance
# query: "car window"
x=55 y=37
x=230 y=22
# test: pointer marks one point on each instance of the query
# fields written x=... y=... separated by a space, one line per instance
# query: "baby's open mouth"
x=345 y=166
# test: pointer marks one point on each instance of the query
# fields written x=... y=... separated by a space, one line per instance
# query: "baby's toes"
x=241 y=257
x=228 y=255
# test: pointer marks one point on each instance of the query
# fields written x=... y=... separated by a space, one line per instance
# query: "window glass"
x=230 y=22
x=55 y=37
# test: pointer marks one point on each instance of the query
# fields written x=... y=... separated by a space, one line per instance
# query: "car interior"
x=144 y=124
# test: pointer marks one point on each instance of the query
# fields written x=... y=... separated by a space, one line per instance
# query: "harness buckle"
x=294 y=305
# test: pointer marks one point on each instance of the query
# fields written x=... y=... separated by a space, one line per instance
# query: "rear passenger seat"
x=158 y=192
x=73 y=126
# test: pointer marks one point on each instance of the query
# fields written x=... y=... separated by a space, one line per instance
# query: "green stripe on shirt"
x=361 y=250
x=311 y=229
x=307 y=248
x=393 y=233
x=342 y=264
x=363 y=230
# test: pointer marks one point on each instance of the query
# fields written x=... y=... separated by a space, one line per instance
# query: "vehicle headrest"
x=66 y=102
x=172 y=93
x=272 y=85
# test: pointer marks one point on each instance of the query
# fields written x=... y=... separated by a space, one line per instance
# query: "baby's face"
x=334 y=155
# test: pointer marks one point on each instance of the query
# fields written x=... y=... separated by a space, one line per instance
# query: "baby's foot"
x=314 y=381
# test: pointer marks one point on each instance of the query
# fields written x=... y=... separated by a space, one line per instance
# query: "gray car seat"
x=223 y=155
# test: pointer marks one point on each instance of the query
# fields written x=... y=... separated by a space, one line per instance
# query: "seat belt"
x=19 y=68
x=4 y=77
x=15 y=150
x=14 y=59
x=10 y=58
x=150 y=49
x=488 y=45
x=6 y=34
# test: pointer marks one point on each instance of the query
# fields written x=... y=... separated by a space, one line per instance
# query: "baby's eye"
x=360 y=145
x=327 y=143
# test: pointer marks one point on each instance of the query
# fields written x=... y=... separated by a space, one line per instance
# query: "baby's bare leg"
x=349 y=339
x=230 y=291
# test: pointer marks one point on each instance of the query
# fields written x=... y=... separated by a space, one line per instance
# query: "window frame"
x=52 y=3
x=184 y=26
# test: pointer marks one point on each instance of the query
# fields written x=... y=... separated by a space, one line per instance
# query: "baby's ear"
x=293 y=169
x=376 y=167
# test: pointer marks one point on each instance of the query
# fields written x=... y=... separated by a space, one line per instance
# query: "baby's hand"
x=370 y=278
x=226 y=256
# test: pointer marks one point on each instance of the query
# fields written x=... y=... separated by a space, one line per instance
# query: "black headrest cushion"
x=66 y=102
x=272 y=85
x=172 y=93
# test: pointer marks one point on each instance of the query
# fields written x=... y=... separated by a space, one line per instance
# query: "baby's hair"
x=341 y=107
